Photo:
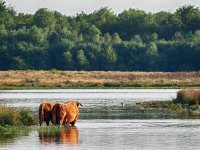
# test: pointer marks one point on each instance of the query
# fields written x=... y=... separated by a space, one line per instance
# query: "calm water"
x=89 y=98
x=104 y=123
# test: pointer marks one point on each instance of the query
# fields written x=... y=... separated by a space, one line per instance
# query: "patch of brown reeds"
x=188 y=96
x=86 y=79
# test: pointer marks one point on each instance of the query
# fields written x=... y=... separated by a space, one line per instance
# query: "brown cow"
x=66 y=113
x=45 y=112
x=55 y=113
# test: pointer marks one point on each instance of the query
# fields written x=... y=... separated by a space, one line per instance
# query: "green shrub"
x=188 y=96
x=55 y=71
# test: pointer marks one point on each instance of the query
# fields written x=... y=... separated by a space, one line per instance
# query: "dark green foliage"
x=130 y=41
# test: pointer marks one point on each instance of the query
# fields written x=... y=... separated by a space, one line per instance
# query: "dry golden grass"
x=188 y=96
x=70 y=79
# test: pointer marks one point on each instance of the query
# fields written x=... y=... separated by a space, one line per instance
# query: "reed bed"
x=97 y=79
x=188 y=96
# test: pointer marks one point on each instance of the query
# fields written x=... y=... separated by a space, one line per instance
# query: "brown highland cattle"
x=45 y=112
x=66 y=113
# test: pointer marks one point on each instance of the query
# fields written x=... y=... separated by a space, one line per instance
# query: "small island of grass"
x=15 y=122
x=185 y=106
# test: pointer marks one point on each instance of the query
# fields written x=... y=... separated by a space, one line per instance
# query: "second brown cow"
x=66 y=113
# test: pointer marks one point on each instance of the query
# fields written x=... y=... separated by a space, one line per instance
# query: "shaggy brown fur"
x=66 y=113
x=45 y=112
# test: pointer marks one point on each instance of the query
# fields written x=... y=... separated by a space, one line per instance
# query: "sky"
x=73 y=7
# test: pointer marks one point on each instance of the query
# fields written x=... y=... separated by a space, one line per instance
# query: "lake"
x=88 y=97
x=104 y=123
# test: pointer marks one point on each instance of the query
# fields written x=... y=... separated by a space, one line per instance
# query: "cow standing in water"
x=66 y=113
x=45 y=112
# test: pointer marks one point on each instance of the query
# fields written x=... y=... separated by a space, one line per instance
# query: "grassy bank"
x=96 y=79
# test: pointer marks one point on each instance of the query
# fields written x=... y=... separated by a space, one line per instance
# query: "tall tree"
x=82 y=60
x=94 y=34
x=44 y=18
x=190 y=17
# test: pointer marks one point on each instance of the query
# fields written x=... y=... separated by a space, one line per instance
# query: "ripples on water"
x=90 y=97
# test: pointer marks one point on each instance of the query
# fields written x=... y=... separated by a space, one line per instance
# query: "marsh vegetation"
x=15 y=123
x=185 y=105
x=96 y=79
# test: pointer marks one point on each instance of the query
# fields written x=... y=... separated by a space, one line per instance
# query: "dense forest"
x=133 y=40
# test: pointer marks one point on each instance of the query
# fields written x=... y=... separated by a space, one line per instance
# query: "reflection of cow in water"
x=64 y=136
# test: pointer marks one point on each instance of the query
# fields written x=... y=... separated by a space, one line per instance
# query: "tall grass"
x=96 y=79
x=188 y=96
x=8 y=116
x=15 y=117
x=14 y=123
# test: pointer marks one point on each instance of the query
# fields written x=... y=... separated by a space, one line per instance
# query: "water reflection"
x=57 y=135
x=12 y=134
x=153 y=134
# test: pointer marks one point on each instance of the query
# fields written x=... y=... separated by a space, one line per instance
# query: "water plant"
x=26 y=117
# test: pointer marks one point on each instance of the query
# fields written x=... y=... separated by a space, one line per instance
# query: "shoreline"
x=51 y=88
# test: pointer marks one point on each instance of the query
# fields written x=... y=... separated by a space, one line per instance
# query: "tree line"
x=133 y=40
